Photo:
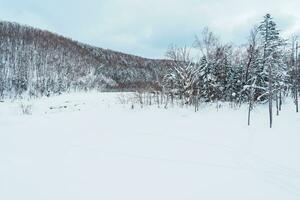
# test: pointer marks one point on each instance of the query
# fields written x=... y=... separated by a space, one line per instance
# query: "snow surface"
x=90 y=146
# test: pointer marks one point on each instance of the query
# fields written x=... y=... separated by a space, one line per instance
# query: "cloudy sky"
x=148 y=27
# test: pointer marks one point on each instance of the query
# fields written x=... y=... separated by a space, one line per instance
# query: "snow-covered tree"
x=182 y=79
x=273 y=69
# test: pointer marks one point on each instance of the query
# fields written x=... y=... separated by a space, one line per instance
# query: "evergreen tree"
x=272 y=65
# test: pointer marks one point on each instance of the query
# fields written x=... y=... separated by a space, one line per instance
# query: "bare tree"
x=295 y=70
x=250 y=78
x=183 y=78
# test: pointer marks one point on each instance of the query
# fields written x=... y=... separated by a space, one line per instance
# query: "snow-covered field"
x=90 y=146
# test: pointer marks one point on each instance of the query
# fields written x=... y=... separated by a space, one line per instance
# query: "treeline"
x=37 y=63
x=266 y=70
x=40 y=63
x=131 y=73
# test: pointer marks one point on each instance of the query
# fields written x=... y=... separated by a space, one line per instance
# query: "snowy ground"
x=89 y=146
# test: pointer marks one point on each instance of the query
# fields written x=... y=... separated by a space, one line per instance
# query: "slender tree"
x=271 y=58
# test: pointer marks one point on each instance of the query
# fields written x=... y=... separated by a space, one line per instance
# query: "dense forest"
x=265 y=70
x=37 y=63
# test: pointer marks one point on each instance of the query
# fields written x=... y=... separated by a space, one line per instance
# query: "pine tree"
x=271 y=60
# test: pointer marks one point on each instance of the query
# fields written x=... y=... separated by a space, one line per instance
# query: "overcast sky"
x=148 y=27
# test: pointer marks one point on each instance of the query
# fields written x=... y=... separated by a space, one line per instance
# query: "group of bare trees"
x=265 y=70
x=38 y=63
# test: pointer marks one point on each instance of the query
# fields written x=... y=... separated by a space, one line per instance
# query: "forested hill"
x=38 y=62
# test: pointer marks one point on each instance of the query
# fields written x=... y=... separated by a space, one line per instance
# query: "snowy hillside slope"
x=91 y=146
x=41 y=63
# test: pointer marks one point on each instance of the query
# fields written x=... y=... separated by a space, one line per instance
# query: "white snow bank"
x=89 y=146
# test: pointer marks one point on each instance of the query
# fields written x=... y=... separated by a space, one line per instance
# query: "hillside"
x=38 y=63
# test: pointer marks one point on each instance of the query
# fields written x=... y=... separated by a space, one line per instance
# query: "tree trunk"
x=296 y=79
x=280 y=100
x=296 y=100
x=249 y=111
x=270 y=96
x=277 y=104
x=251 y=102
x=157 y=99
x=167 y=101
